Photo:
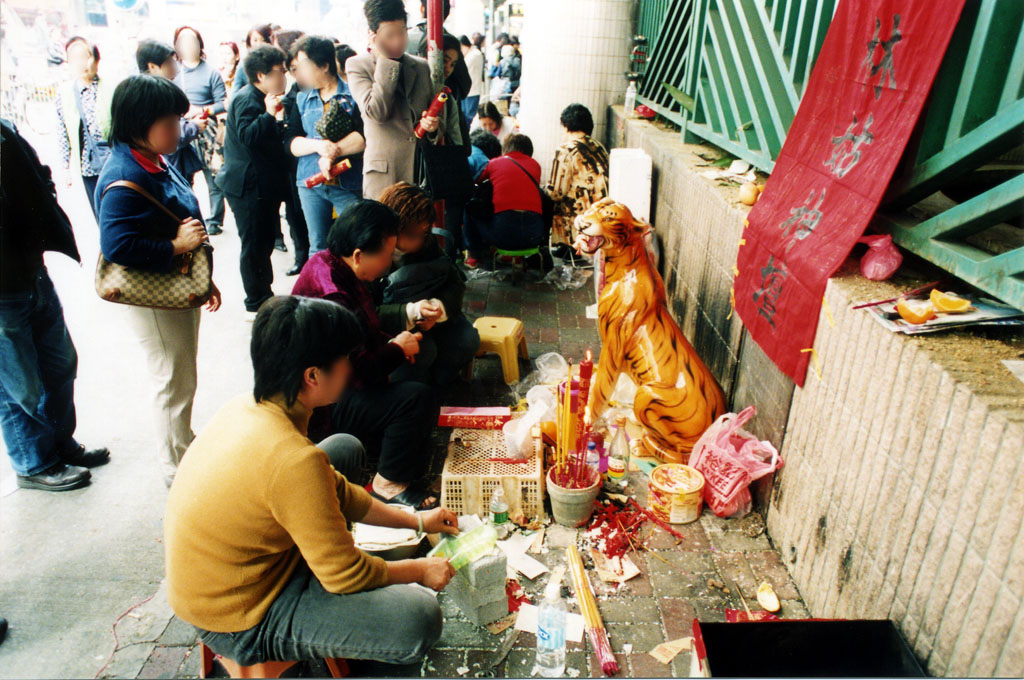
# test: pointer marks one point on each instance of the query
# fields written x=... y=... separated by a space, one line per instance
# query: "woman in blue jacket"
x=316 y=71
x=145 y=115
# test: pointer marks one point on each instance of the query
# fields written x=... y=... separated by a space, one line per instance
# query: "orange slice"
x=915 y=311
x=949 y=302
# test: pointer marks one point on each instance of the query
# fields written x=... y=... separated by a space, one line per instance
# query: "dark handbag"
x=187 y=286
x=445 y=173
x=481 y=203
x=336 y=123
x=547 y=205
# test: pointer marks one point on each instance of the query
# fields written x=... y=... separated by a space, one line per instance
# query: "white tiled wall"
x=573 y=51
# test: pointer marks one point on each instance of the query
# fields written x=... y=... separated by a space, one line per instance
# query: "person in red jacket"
x=518 y=221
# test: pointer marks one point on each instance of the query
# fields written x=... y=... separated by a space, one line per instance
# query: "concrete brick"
x=481 y=605
x=487 y=571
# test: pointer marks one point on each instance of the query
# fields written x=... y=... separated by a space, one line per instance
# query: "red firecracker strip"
x=615 y=528
x=516 y=595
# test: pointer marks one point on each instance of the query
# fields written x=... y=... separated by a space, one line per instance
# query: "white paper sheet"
x=527 y=622
x=515 y=548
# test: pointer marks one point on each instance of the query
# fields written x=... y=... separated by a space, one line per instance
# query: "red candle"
x=433 y=110
x=586 y=371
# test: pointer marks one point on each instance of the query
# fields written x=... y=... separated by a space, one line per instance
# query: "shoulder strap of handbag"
x=145 y=194
x=535 y=182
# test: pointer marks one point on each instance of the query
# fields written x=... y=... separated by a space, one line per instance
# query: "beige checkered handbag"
x=188 y=285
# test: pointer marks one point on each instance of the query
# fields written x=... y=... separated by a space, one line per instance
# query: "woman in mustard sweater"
x=259 y=555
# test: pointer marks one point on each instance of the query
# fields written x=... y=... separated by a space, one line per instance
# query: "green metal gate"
x=732 y=72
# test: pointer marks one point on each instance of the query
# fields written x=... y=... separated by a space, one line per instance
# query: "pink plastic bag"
x=730 y=459
x=882 y=259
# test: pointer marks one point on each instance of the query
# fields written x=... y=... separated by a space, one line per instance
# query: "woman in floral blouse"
x=579 y=174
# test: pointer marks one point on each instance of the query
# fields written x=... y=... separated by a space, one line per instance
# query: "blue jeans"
x=508 y=230
x=38 y=366
x=470 y=106
x=317 y=204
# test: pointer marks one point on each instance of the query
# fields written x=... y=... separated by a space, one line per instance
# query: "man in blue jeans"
x=38 y=362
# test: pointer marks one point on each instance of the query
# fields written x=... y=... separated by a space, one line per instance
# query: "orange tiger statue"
x=677 y=396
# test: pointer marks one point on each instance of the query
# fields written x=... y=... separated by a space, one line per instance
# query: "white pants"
x=170 y=339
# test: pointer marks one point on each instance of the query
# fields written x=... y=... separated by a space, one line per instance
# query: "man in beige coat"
x=393 y=90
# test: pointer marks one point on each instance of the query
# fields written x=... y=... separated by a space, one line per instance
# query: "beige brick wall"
x=902 y=495
x=903 y=490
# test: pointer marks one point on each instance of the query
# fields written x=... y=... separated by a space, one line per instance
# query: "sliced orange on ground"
x=767 y=598
x=915 y=311
x=949 y=302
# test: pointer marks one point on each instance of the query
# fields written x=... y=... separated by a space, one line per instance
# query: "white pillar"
x=573 y=52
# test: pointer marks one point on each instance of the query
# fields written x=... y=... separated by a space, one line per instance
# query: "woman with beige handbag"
x=155 y=258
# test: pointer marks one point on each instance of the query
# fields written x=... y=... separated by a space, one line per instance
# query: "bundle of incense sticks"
x=591 y=617
x=571 y=469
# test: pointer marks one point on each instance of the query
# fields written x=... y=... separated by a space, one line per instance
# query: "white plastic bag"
x=540 y=406
x=551 y=368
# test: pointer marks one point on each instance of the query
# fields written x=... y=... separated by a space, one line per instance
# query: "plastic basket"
x=468 y=479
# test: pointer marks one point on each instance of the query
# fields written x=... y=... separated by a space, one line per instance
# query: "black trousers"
x=259 y=222
x=296 y=221
x=396 y=419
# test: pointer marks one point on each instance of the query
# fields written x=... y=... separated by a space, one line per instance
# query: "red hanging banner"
x=864 y=96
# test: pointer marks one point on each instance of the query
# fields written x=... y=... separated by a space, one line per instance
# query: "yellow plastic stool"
x=503 y=336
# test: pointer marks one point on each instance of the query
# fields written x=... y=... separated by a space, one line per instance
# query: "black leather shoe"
x=58 y=477
x=279 y=245
x=296 y=269
x=214 y=229
x=87 y=459
x=3 y=629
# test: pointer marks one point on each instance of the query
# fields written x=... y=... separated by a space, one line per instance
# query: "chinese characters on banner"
x=862 y=101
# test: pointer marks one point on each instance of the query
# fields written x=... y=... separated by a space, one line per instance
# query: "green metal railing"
x=974 y=116
x=743 y=64
x=732 y=72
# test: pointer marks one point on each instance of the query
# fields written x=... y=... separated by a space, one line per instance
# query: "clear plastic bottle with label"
x=618 y=458
x=499 y=513
x=551 y=619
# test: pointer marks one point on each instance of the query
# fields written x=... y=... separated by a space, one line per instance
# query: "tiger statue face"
x=610 y=226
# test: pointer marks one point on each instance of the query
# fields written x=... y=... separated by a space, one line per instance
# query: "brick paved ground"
x=656 y=606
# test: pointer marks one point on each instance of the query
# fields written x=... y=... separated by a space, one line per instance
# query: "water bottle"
x=551 y=633
x=593 y=460
x=499 y=513
x=630 y=104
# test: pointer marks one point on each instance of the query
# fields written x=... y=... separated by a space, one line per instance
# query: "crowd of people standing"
x=347 y=143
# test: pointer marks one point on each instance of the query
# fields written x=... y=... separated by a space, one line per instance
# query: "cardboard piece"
x=667 y=651
x=614 y=570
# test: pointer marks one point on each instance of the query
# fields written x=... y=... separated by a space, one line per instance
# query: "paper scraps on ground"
x=515 y=548
x=615 y=569
x=667 y=651
x=527 y=622
x=738 y=171
x=501 y=625
x=538 y=542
